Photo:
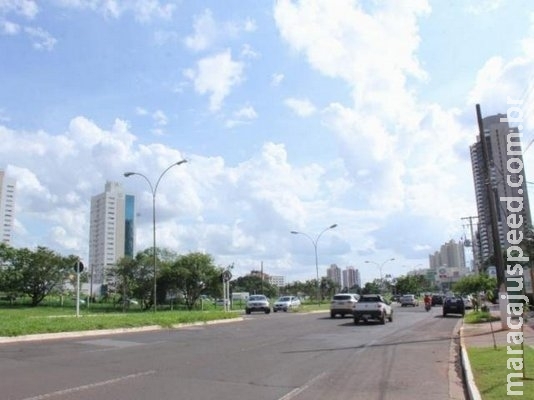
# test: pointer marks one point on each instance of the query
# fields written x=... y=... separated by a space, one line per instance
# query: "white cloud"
x=26 y=8
x=205 y=32
x=301 y=107
x=160 y=118
x=41 y=39
x=9 y=28
x=143 y=10
x=216 y=75
x=276 y=79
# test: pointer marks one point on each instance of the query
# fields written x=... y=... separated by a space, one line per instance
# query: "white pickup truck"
x=372 y=307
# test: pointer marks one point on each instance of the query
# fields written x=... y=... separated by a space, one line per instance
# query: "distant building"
x=277 y=280
x=111 y=231
x=7 y=207
x=448 y=264
x=334 y=274
x=450 y=254
x=351 y=277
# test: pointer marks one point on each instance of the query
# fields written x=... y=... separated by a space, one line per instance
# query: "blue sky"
x=293 y=115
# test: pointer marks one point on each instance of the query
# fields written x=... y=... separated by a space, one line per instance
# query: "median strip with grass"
x=28 y=321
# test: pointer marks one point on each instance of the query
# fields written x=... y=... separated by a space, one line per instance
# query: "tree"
x=33 y=273
x=412 y=284
x=475 y=284
x=371 y=287
x=254 y=285
x=191 y=274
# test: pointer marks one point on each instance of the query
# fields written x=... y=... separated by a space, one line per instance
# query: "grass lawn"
x=31 y=320
x=24 y=320
x=490 y=371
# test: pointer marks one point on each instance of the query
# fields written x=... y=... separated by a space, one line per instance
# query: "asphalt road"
x=280 y=356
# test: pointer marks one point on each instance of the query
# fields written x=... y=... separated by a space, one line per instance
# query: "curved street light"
x=314 y=242
x=380 y=266
x=153 y=189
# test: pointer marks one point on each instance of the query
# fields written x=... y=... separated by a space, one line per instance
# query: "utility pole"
x=475 y=255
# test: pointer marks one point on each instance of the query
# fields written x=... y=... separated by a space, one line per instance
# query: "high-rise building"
x=351 y=277
x=450 y=254
x=7 y=207
x=111 y=231
x=498 y=143
x=334 y=274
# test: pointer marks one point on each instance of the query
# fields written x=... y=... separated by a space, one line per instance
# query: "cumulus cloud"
x=216 y=75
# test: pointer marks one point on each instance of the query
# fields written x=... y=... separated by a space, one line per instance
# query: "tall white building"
x=111 y=231
x=7 y=207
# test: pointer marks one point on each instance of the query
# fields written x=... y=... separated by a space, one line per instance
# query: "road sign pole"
x=78 y=289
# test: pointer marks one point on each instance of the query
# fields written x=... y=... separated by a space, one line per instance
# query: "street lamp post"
x=153 y=189
x=314 y=242
x=380 y=266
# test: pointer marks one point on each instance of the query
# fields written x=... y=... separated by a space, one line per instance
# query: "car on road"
x=342 y=304
x=258 y=302
x=286 y=303
x=453 y=305
x=437 y=300
x=372 y=307
x=409 y=300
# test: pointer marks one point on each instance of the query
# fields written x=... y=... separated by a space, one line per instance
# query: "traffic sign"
x=78 y=267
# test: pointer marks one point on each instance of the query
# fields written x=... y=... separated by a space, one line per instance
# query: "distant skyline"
x=293 y=116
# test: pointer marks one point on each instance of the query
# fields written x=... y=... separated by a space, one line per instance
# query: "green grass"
x=490 y=371
x=476 y=317
x=52 y=316
x=31 y=320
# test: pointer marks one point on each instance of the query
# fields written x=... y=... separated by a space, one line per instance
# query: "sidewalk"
x=488 y=334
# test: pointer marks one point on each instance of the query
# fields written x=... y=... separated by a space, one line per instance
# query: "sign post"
x=78 y=267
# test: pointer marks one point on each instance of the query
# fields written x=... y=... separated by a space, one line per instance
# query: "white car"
x=372 y=307
x=286 y=303
x=342 y=304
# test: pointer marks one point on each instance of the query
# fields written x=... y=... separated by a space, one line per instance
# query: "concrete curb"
x=102 y=332
x=472 y=389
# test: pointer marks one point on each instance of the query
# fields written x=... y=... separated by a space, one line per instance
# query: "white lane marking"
x=302 y=388
x=90 y=386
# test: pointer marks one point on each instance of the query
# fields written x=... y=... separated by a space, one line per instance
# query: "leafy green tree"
x=412 y=284
x=191 y=275
x=254 y=285
x=34 y=273
x=134 y=278
x=475 y=284
x=9 y=277
x=372 y=287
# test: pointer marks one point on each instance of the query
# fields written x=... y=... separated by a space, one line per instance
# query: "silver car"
x=258 y=302
x=286 y=303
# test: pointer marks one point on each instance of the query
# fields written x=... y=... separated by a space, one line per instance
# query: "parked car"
x=468 y=302
x=453 y=305
x=437 y=300
x=342 y=304
x=286 y=303
x=222 y=302
x=258 y=302
x=372 y=307
x=409 y=300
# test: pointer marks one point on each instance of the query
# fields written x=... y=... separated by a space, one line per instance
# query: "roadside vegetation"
x=490 y=372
